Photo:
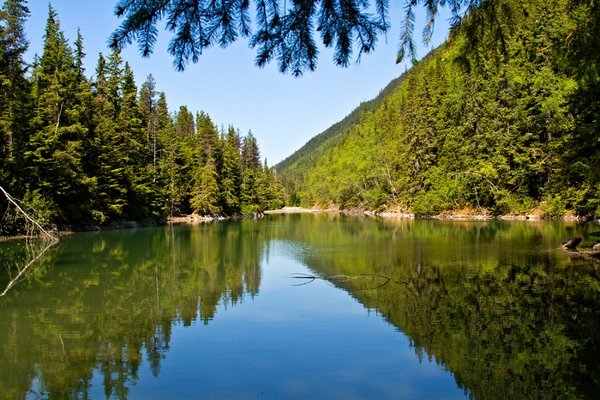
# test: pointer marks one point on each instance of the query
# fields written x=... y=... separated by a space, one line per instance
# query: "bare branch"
x=47 y=234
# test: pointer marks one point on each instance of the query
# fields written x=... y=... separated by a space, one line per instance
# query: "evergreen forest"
x=504 y=118
x=94 y=151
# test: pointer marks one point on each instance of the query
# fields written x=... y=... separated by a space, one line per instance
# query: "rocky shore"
x=449 y=216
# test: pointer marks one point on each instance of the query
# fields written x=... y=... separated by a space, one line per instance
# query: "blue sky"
x=283 y=112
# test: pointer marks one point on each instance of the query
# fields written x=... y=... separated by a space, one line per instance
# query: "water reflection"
x=509 y=314
x=111 y=299
x=495 y=303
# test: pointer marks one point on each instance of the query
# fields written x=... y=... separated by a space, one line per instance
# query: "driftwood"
x=46 y=237
x=570 y=247
x=571 y=243
x=371 y=281
x=43 y=232
x=583 y=254
x=23 y=270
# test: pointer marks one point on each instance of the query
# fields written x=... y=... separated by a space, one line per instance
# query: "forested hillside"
x=308 y=155
x=504 y=118
x=93 y=151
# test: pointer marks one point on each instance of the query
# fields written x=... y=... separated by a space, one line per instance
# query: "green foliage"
x=230 y=172
x=501 y=121
x=205 y=190
x=285 y=32
x=98 y=151
x=306 y=157
x=42 y=210
x=554 y=206
x=15 y=105
x=34 y=204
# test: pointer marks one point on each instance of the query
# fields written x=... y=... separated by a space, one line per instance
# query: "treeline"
x=505 y=118
x=89 y=151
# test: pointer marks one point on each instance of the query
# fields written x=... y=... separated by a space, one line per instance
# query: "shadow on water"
x=496 y=303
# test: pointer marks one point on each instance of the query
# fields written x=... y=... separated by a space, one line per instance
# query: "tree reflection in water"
x=106 y=309
x=493 y=302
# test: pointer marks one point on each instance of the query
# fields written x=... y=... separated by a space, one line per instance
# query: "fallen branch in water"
x=21 y=271
x=33 y=255
x=46 y=234
x=341 y=278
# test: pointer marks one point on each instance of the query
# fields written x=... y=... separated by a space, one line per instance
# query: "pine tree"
x=162 y=112
x=114 y=74
x=273 y=193
x=230 y=175
x=205 y=190
x=54 y=150
x=15 y=98
x=111 y=192
x=250 y=157
x=148 y=104
x=207 y=136
x=145 y=199
x=172 y=163
x=184 y=124
x=82 y=119
x=250 y=175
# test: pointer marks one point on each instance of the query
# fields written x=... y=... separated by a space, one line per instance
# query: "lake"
x=304 y=307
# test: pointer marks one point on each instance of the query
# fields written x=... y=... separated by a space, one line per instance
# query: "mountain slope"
x=504 y=117
x=305 y=158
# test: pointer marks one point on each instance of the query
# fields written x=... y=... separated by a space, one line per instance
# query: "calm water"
x=397 y=309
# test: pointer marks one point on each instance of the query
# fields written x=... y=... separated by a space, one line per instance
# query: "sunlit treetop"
x=284 y=31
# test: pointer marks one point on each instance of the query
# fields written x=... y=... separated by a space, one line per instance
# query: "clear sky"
x=282 y=112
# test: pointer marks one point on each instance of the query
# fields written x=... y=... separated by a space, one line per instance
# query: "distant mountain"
x=504 y=118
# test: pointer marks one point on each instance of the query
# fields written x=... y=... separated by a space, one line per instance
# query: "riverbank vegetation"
x=94 y=151
x=503 y=118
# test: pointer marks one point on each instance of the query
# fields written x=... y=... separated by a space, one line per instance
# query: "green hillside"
x=307 y=156
x=504 y=117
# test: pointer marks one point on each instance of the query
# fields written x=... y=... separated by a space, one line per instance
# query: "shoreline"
x=300 y=210
x=446 y=216
x=193 y=219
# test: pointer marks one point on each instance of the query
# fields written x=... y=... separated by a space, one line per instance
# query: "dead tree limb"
x=341 y=278
x=47 y=234
x=22 y=271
